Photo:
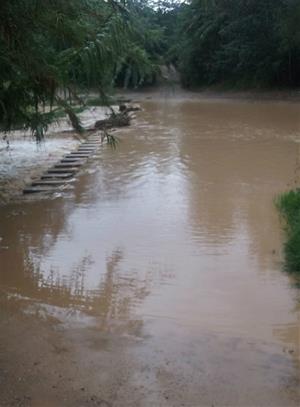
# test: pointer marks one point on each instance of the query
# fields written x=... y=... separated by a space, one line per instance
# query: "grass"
x=288 y=204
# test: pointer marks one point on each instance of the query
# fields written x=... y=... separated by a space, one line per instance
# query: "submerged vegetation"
x=289 y=206
x=53 y=52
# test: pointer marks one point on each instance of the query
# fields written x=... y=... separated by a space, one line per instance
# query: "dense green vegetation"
x=51 y=51
x=237 y=43
x=52 y=48
x=240 y=42
x=289 y=205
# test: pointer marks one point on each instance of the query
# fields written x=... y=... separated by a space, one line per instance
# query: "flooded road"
x=157 y=280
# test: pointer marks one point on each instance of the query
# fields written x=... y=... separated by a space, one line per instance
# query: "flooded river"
x=157 y=280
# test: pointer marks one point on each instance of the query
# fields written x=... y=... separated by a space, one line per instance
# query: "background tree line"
x=53 y=50
x=239 y=42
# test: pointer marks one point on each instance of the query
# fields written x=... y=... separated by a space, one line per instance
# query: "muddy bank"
x=51 y=357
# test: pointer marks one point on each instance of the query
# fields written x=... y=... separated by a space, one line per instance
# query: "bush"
x=289 y=206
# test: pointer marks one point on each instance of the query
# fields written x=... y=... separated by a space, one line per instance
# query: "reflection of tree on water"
x=117 y=293
x=55 y=287
x=111 y=301
x=37 y=225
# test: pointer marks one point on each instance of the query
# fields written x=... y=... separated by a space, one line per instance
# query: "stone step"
x=66 y=168
x=77 y=155
x=87 y=151
x=66 y=175
x=81 y=149
x=75 y=160
x=70 y=170
x=49 y=182
x=68 y=165
x=37 y=189
x=83 y=153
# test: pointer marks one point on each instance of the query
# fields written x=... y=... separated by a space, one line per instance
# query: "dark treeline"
x=238 y=43
x=241 y=42
x=50 y=49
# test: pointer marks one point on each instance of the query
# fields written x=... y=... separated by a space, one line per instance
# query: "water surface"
x=173 y=243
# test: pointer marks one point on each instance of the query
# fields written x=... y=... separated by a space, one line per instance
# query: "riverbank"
x=52 y=357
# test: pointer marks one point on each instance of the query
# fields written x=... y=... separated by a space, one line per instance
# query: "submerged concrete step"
x=77 y=155
x=61 y=172
x=86 y=149
x=57 y=175
x=37 y=189
x=68 y=165
x=90 y=152
x=70 y=170
x=49 y=182
x=73 y=160
x=82 y=152
x=91 y=144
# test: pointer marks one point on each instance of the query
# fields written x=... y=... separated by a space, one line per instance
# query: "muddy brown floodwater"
x=157 y=280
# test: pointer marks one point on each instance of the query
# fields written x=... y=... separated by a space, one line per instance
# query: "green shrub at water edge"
x=289 y=205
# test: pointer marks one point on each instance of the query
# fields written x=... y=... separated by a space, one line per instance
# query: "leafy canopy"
x=50 y=48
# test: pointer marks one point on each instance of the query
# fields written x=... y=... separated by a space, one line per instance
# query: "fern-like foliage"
x=51 y=48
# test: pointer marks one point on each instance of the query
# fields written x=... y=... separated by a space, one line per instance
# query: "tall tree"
x=50 y=48
x=244 y=42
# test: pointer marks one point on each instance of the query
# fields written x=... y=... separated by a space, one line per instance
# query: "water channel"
x=163 y=266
